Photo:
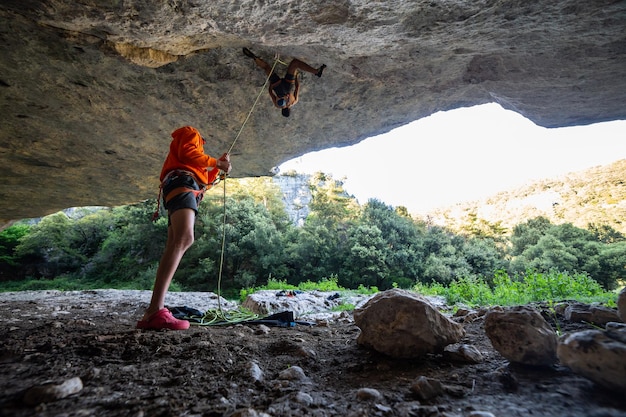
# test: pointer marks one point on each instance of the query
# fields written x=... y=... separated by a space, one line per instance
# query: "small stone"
x=480 y=414
x=304 y=398
x=248 y=412
x=365 y=394
x=255 y=371
x=383 y=408
x=596 y=314
x=426 y=388
x=402 y=324
x=521 y=335
x=262 y=329
x=293 y=373
x=51 y=392
x=597 y=355
x=463 y=353
x=616 y=331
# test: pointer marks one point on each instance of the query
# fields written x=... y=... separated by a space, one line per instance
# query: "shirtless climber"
x=284 y=91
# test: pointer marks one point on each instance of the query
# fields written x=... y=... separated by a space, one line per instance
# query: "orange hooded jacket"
x=187 y=153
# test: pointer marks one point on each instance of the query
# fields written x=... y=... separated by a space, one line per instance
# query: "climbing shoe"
x=249 y=53
x=162 y=319
x=319 y=71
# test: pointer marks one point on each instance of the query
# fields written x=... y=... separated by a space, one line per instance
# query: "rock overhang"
x=90 y=91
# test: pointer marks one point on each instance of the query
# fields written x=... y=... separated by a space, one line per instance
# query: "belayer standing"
x=284 y=91
x=186 y=174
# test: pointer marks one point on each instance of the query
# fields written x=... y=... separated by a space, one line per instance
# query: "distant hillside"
x=596 y=195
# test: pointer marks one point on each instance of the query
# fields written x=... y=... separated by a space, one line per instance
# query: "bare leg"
x=296 y=64
x=262 y=64
x=179 y=239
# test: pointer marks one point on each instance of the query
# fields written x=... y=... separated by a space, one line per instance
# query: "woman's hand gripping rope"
x=223 y=164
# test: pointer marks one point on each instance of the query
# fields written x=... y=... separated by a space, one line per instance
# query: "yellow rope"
x=219 y=316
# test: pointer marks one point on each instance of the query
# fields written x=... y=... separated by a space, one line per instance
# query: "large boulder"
x=403 y=324
x=521 y=335
x=596 y=314
x=599 y=355
x=91 y=90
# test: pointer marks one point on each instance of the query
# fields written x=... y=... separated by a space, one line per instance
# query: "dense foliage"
x=355 y=246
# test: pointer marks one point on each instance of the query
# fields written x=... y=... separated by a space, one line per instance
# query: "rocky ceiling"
x=90 y=90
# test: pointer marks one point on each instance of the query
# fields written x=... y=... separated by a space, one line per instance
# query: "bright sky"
x=462 y=155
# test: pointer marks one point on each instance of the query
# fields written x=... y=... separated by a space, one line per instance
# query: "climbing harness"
x=179 y=190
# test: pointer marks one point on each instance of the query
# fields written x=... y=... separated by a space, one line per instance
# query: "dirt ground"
x=239 y=370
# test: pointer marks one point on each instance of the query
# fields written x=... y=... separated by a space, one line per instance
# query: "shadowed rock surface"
x=90 y=91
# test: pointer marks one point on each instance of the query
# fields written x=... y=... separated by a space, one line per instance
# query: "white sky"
x=461 y=155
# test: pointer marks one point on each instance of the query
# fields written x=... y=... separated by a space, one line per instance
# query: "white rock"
x=303 y=398
x=300 y=302
x=480 y=414
x=369 y=394
x=293 y=373
x=248 y=412
x=52 y=392
x=255 y=371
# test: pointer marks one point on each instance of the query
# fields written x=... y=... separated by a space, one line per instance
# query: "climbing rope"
x=219 y=316
x=276 y=61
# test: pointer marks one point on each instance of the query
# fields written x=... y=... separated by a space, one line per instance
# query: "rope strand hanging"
x=267 y=79
x=212 y=317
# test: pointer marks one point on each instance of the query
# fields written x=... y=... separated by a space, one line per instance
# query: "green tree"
x=365 y=262
x=548 y=254
x=253 y=248
x=133 y=243
x=484 y=256
x=481 y=228
x=316 y=250
x=262 y=190
x=9 y=261
x=605 y=233
x=612 y=265
x=404 y=238
x=561 y=247
x=528 y=234
x=48 y=247
x=444 y=261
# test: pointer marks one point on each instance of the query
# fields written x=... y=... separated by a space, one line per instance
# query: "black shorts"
x=182 y=200
x=285 y=86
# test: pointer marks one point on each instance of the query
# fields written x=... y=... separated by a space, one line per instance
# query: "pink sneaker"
x=163 y=319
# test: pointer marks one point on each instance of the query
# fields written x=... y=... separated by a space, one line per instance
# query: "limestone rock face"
x=90 y=91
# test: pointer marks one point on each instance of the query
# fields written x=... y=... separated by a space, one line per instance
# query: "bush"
x=531 y=287
x=325 y=284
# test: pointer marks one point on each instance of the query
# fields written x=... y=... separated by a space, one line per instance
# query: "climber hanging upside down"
x=284 y=91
